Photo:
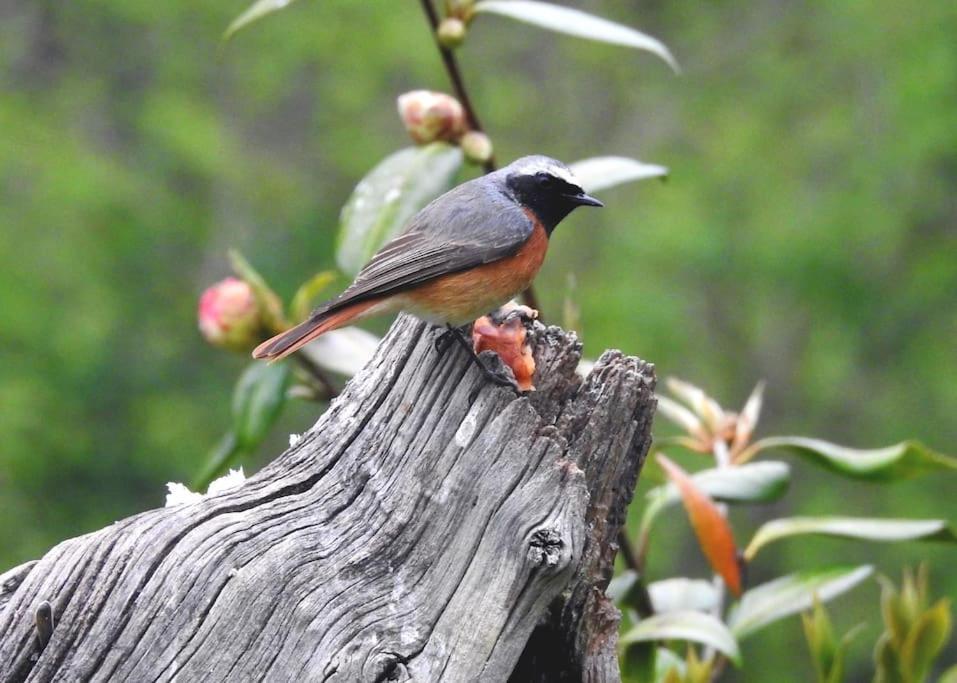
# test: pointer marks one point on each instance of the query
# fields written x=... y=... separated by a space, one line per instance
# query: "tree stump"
x=429 y=527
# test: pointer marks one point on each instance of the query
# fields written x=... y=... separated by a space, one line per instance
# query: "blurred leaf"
x=302 y=301
x=676 y=594
x=748 y=419
x=900 y=461
x=255 y=12
x=755 y=482
x=686 y=625
x=863 y=528
x=638 y=662
x=220 y=458
x=925 y=641
x=577 y=23
x=257 y=401
x=819 y=635
x=269 y=302
x=949 y=676
x=600 y=173
x=789 y=595
x=710 y=526
x=701 y=403
x=620 y=584
x=344 y=351
x=680 y=415
x=667 y=662
x=392 y=192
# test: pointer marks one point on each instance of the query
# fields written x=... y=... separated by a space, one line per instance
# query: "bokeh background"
x=807 y=235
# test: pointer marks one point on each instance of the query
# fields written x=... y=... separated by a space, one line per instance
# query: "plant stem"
x=328 y=388
x=455 y=75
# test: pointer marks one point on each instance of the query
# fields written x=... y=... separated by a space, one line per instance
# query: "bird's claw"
x=506 y=314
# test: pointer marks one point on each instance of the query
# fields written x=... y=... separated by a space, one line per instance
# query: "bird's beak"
x=583 y=199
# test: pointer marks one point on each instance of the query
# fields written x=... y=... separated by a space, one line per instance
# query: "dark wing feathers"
x=467 y=227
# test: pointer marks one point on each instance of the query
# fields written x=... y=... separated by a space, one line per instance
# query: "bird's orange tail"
x=319 y=323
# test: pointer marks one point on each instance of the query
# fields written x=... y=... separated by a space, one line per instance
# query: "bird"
x=460 y=257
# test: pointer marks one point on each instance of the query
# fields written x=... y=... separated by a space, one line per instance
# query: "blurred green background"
x=807 y=235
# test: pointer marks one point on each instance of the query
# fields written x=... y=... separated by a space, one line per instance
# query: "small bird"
x=465 y=254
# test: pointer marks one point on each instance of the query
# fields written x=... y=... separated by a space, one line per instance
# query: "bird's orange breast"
x=461 y=297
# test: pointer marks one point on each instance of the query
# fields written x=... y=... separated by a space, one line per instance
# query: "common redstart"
x=465 y=254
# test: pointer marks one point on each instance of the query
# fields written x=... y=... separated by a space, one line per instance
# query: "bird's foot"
x=454 y=335
x=508 y=313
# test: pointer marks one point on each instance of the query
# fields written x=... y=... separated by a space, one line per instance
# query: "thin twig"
x=455 y=75
x=306 y=363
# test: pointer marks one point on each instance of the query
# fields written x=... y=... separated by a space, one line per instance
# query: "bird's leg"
x=458 y=336
x=445 y=339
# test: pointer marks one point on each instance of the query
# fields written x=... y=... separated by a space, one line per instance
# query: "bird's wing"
x=428 y=249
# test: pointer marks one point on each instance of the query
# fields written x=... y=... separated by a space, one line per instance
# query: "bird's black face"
x=549 y=196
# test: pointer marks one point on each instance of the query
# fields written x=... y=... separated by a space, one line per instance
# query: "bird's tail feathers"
x=318 y=323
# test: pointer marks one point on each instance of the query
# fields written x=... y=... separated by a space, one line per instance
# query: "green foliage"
x=900 y=461
x=685 y=625
x=915 y=631
x=576 y=23
x=805 y=235
x=828 y=652
x=385 y=200
x=258 y=399
x=789 y=595
x=890 y=530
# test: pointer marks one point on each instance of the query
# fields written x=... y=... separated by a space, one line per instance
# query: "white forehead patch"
x=546 y=166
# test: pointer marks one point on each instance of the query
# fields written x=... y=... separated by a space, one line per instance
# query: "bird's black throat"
x=551 y=199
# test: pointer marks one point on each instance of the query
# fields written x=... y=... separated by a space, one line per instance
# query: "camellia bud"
x=431 y=116
x=229 y=315
x=451 y=32
x=460 y=9
x=476 y=146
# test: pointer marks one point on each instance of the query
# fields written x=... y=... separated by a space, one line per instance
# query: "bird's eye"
x=545 y=181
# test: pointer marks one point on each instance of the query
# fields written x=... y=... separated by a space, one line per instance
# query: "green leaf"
x=577 y=23
x=257 y=401
x=925 y=641
x=751 y=483
x=255 y=12
x=901 y=461
x=864 y=528
x=676 y=594
x=302 y=301
x=638 y=662
x=600 y=173
x=686 y=625
x=220 y=458
x=949 y=676
x=791 y=594
x=270 y=305
x=384 y=201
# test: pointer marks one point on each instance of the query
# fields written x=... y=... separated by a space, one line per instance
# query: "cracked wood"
x=422 y=530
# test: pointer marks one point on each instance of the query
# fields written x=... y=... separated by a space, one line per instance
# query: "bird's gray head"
x=547 y=187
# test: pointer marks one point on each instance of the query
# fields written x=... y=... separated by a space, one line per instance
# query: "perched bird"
x=462 y=256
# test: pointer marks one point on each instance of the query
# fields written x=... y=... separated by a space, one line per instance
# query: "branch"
x=452 y=67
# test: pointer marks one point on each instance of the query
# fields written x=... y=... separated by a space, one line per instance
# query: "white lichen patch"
x=179 y=494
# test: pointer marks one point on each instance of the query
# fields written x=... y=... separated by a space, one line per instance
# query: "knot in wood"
x=545 y=548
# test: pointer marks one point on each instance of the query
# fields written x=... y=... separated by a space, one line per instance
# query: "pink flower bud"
x=476 y=146
x=431 y=116
x=229 y=315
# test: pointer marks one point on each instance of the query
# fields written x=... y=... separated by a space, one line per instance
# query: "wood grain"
x=422 y=530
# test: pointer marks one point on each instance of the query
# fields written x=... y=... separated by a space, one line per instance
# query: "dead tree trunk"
x=422 y=530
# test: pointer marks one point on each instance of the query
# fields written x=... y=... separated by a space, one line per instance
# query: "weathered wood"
x=421 y=530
